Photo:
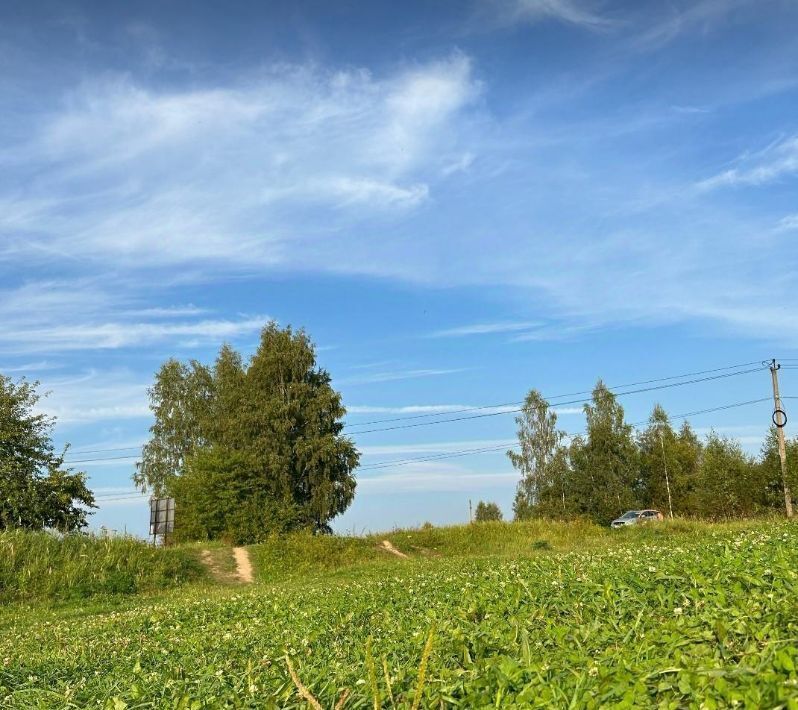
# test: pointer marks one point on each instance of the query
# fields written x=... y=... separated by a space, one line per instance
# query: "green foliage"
x=249 y=450
x=36 y=491
x=487 y=512
x=605 y=462
x=697 y=616
x=43 y=565
x=608 y=471
x=542 y=461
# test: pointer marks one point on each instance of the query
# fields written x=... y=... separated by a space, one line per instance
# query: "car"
x=633 y=517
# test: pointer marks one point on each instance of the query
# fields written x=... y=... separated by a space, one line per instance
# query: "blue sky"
x=459 y=201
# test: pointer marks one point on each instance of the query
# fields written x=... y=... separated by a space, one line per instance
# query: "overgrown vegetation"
x=40 y=565
x=656 y=616
x=610 y=468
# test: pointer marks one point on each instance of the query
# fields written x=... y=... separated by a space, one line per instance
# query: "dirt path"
x=388 y=547
x=226 y=568
x=243 y=564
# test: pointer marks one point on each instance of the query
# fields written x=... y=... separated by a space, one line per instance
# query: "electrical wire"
x=491 y=414
x=551 y=399
x=516 y=409
x=559 y=404
x=488 y=449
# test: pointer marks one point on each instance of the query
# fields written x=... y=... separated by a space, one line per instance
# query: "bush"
x=487 y=512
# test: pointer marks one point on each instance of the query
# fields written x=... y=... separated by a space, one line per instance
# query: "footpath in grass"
x=644 y=619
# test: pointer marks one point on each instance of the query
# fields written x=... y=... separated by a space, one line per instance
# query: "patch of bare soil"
x=243 y=564
x=388 y=547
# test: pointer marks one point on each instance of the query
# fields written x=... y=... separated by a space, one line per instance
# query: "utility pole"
x=470 y=516
x=780 y=420
x=665 y=466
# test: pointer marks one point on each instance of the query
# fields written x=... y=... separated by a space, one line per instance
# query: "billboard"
x=162 y=516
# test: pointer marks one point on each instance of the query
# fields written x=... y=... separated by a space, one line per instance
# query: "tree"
x=605 y=462
x=542 y=460
x=181 y=401
x=36 y=491
x=249 y=449
x=487 y=512
x=726 y=482
x=770 y=470
x=658 y=466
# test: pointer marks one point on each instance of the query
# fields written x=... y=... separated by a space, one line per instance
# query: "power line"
x=516 y=409
x=560 y=396
x=102 y=451
x=493 y=414
x=560 y=404
x=488 y=449
x=463 y=452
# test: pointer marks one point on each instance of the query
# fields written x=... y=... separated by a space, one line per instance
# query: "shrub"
x=487 y=512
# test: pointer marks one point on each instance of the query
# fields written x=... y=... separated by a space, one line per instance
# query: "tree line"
x=252 y=448
x=611 y=467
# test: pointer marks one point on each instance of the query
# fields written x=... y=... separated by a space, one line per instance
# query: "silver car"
x=633 y=517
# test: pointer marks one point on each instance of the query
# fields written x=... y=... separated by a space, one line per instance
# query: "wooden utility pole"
x=470 y=514
x=780 y=419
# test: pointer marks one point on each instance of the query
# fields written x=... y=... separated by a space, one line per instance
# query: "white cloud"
x=434 y=476
x=574 y=12
x=407 y=409
x=46 y=317
x=778 y=160
x=393 y=375
x=95 y=396
x=146 y=177
x=433 y=447
x=788 y=223
x=27 y=367
x=674 y=20
x=486 y=329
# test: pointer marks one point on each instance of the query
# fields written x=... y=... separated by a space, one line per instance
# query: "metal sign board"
x=162 y=516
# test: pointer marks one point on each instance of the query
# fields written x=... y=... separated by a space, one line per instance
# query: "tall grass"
x=35 y=565
x=292 y=557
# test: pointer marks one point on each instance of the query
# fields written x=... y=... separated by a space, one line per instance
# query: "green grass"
x=678 y=615
x=38 y=565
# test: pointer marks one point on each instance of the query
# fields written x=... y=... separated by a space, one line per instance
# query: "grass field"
x=683 y=615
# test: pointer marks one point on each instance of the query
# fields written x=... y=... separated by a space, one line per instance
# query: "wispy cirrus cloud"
x=778 y=160
x=486 y=329
x=788 y=223
x=285 y=141
x=60 y=316
x=580 y=13
x=441 y=447
x=95 y=396
x=434 y=476
x=671 y=20
x=399 y=374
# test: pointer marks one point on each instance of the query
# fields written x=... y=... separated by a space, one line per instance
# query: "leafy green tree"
x=668 y=457
x=542 y=461
x=770 y=470
x=181 y=400
x=605 y=475
x=727 y=480
x=487 y=512
x=249 y=449
x=658 y=465
x=36 y=491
